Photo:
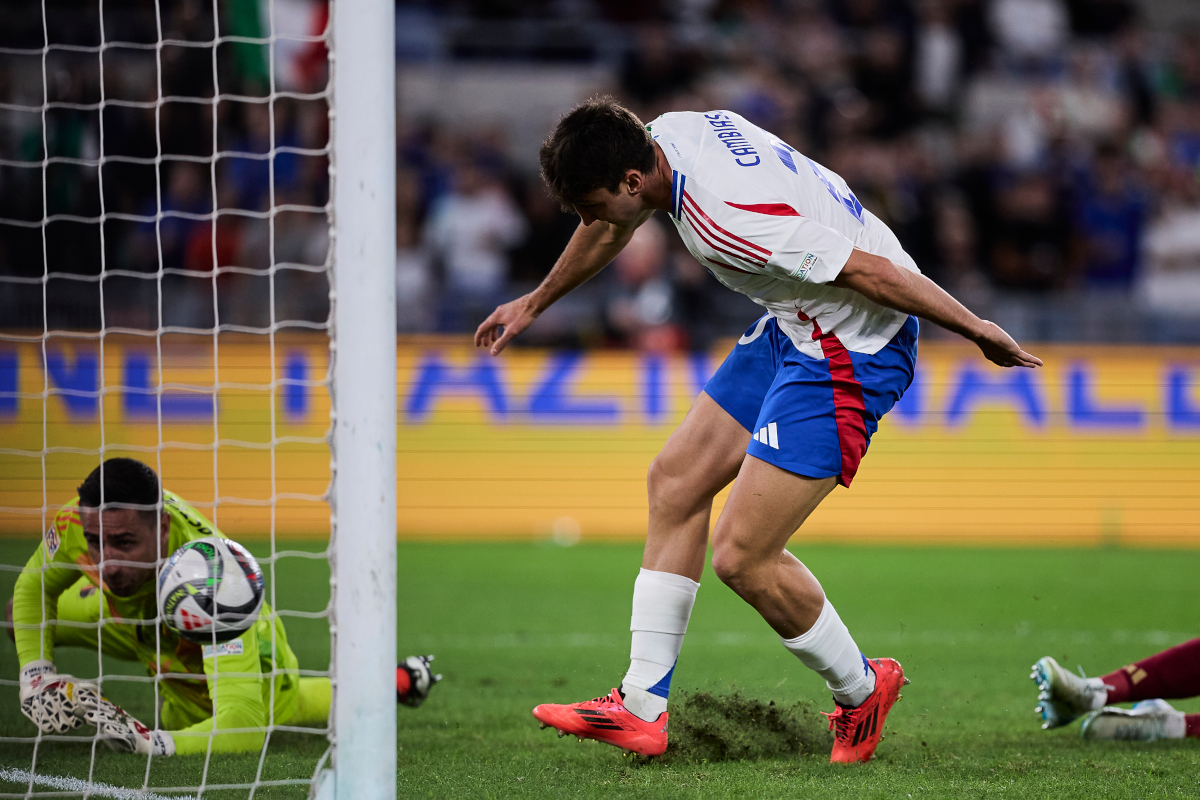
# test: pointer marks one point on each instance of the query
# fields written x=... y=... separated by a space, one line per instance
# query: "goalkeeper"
x=228 y=693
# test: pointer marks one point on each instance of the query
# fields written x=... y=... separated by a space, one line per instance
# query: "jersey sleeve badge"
x=233 y=648
x=52 y=541
x=806 y=266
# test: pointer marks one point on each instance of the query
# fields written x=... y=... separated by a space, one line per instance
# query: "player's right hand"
x=117 y=729
x=50 y=700
x=512 y=317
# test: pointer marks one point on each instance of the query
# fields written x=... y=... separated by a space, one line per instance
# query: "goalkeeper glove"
x=50 y=700
x=414 y=679
x=117 y=729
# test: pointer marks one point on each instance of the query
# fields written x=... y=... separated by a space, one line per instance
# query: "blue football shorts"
x=812 y=416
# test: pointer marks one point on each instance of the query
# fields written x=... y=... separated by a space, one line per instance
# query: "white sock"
x=1176 y=725
x=1099 y=692
x=662 y=604
x=828 y=649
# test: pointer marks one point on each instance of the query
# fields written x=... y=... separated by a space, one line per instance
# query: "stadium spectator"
x=1136 y=81
x=550 y=229
x=956 y=264
x=657 y=67
x=470 y=230
x=247 y=169
x=1110 y=213
x=172 y=238
x=639 y=304
x=883 y=76
x=1029 y=248
x=1170 y=282
x=415 y=291
x=939 y=59
x=861 y=86
x=1031 y=33
x=1099 y=18
x=697 y=296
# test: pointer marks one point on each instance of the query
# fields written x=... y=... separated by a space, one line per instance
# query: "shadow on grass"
x=707 y=727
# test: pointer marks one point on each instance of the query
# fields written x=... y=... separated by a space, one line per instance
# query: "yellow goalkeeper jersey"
x=204 y=688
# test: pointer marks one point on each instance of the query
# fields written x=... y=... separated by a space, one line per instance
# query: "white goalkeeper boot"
x=1147 y=721
x=1064 y=697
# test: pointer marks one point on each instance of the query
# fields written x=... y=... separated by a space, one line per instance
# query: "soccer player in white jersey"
x=790 y=412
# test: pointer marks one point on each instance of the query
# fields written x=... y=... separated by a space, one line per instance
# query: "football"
x=210 y=590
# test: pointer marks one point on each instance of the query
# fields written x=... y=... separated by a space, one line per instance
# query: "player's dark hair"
x=592 y=147
x=126 y=480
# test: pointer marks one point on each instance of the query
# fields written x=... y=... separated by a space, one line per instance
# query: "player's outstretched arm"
x=880 y=280
x=591 y=248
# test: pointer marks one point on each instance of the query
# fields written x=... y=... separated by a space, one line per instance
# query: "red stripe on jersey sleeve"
x=687 y=197
x=701 y=229
x=773 y=209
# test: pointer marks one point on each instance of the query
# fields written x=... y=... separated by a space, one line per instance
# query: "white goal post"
x=363 y=172
x=56 y=386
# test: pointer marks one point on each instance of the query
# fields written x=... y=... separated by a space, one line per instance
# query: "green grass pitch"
x=515 y=624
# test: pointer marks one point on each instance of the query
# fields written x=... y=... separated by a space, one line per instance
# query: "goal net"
x=196 y=259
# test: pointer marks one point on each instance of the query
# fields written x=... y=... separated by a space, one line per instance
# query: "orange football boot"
x=857 y=731
x=606 y=720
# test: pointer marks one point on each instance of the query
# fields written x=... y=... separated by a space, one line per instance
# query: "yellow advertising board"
x=241 y=434
x=1100 y=447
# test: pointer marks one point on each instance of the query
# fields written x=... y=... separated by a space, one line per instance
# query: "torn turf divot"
x=707 y=727
x=76 y=785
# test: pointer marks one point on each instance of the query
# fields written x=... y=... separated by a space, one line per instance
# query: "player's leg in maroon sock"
x=1192 y=721
x=1172 y=675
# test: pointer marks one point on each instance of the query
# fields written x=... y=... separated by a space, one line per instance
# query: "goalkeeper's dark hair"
x=126 y=480
x=592 y=147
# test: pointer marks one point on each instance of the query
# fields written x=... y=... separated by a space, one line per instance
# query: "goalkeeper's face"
x=133 y=546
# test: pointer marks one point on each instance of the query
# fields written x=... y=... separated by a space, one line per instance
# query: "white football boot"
x=1147 y=721
x=1063 y=697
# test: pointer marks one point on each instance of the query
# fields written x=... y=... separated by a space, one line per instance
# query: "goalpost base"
x=324 y=787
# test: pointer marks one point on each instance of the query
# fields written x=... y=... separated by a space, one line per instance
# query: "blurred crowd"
x=1038 y=158
x=160 y=181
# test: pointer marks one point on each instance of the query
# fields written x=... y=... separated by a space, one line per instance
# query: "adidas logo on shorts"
x=768 y=435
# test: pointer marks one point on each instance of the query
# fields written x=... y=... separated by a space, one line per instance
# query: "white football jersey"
x=777 y=227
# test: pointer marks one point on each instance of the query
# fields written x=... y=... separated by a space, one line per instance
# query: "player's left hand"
x=1000 y=348
x=117 y=729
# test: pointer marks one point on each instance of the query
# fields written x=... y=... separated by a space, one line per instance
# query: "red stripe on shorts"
x=849 y=408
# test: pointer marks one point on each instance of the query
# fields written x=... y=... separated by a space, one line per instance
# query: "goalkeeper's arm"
x=237 y=687
x=239 y=720
x=47 y=698
x=35 y=605
x=238 y=724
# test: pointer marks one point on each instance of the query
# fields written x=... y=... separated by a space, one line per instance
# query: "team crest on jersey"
x=805 y=267
x=52 y=541
x=233 y=648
